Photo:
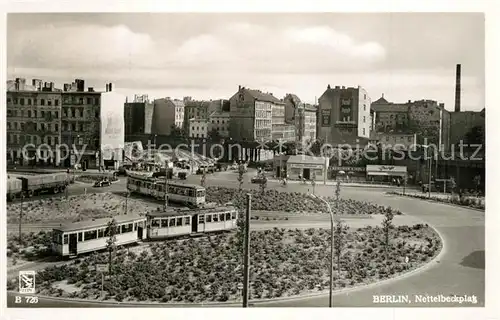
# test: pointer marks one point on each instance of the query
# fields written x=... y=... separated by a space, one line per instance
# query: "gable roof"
x=381 y=100
x=261 y=96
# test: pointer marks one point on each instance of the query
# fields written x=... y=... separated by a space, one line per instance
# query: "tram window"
x=118 y=229
x=209 y=218
x=201 y=219
x=228 y=216
x=100 y=233
x=221 y=217
x=65 y=239
x=191 y=193
x=126 y=228
x=135 y=226
x=79 y=236
x=106 y=232
x=216 y=218
x=155 y=223
x=164 y=223
x=171 y=222
x=187 y=221
x=90 y=235
x=179 y=222
x=233 y=215
x=201 y=193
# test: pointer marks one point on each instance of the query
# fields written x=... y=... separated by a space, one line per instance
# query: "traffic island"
x=284 y=263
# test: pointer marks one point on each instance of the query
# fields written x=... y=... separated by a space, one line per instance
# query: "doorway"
x=278 y=171
x=194 y=223
x=139 y=231
x=307 y=174
x=73 y=244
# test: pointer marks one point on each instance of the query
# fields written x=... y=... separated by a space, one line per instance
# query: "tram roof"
x=95 y=223
x=170 y=182
x=174 y=212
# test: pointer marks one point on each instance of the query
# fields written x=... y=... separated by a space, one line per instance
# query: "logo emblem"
x=27 y=282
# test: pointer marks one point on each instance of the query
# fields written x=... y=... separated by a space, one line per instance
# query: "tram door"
x=139 y=230
x=194 y=223
x=73 y=242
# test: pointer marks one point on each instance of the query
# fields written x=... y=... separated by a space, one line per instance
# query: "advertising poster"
x=346 y=113
x=325 y=117
x=112 y=126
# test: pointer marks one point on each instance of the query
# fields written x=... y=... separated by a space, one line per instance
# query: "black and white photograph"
x=245 y=160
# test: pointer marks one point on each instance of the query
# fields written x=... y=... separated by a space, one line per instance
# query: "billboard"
x=346 y=112
x=112 y=126
x=325 y=117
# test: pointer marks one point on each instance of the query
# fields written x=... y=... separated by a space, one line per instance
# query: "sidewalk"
x=342 y=184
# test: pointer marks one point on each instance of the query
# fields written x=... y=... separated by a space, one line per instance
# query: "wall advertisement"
x=325 y=117
x=112 y=126
x=346 y=112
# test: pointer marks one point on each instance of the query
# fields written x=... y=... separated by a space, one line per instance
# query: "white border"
x=492 y=226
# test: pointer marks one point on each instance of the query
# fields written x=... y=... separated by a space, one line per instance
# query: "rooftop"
x=261 y=96
x=95 y=223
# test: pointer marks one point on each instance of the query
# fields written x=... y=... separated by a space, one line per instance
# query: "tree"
x=337 y=193
x=453 y=184
x=111 y=242
x=477 y=183
x=262 y=183
x=214 y=135
x=203 y=178
x=386 y=227
x=241 y=172
x=339 y=240
x=313 y=182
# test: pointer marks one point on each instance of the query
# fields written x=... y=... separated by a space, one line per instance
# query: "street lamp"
x=430 y=169
x=331 y=244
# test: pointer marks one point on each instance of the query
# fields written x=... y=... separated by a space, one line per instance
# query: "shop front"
x=307 y=167
x=348 y=174
x=384 y=173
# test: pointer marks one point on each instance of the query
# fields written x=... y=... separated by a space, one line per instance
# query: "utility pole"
x=246 y=248
x=166 y=185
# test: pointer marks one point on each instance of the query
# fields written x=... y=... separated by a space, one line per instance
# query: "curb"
x=401 y=276
x=437 y=201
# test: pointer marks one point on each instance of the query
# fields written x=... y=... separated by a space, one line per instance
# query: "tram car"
x=190 y=194
x=77 y=238
x=175 y=223
x=81 y=237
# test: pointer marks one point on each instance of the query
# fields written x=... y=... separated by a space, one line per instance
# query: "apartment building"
x=302 y=115
x=138 y=115
x=167 y=113
x=218 y=121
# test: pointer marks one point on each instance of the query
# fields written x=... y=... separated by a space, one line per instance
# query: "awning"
x=378 y=173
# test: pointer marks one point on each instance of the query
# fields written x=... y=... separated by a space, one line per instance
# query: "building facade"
x=344 y=115
x=302 y=115
x=468 y=127
x=428 y=119
x=198 y=128
x=284 y=132
x=138 y=115
x=167 y=113
x=33 y=122
x=218 y=121
x=251 y=113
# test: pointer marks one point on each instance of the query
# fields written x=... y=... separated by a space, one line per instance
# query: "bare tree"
x=339 y=244
x=386 y=228
x=111 y=242
x=241 y=172
x=203 y=178
x=337 y=193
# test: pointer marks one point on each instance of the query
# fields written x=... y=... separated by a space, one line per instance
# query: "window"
x=221 y=217
x=49 y=102
x=22 y=126
x=9 y=100
x=29 y=113
x=79 y=236
x=127 y=228
x=201 y=219
x=81 y=126
x=81 y=100
x=81 y=113
x=187 y=221
x=65 y=239
x=15 y=100
x=164 y=223
x=56 y=102
x=228 y=216
x=90 y=235
x=8 y=125
x=15 y=125
x=42 y=114
x=96 y=101
x=171 y=222
x=89 y=100
x=135 y=226
x=56 y=127
x=193 y=128
x=179 y=222
x=209 y=218
x=155 y=223
x=100 y=233
x=73 y=113
x=233 y=215
x=216 y=218
x=118 y=229
x=21 y=101
x=42 y=102
x=364 y=119
x=364 y=131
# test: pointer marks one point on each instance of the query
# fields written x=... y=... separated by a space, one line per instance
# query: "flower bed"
x=80 y=207
x=94 y=178
x=471 y=202
x=294 y=202
x=284 y=263
x=33 y=246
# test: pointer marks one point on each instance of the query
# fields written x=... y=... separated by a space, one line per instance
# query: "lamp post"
x=331 y=244
x=430 y=169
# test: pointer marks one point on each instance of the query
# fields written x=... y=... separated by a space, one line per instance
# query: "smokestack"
x=458 y=88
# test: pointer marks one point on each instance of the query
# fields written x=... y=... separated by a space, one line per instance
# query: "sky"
x=405 y=56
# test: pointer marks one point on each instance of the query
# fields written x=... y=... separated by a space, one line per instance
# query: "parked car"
x=258 y=179
x=182 y=175
x=102 y=183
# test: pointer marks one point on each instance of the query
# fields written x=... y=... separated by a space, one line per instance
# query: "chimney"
x=110 y=87
x=66 y=87
x=91 y=89
x=337 y=87
x=458 y=88
x=239 y=88
x=328 y=87
x=52 y=86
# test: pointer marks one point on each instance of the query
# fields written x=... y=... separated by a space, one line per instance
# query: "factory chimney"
x=458 y=88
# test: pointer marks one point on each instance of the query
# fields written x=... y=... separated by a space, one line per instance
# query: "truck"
x=14 y=189
x=53 y=183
